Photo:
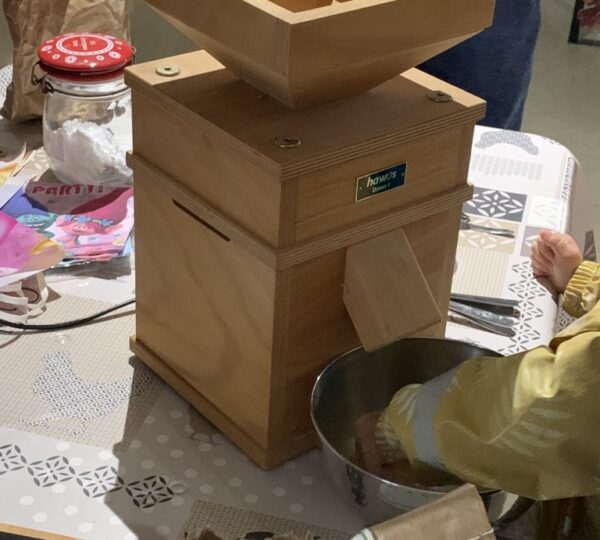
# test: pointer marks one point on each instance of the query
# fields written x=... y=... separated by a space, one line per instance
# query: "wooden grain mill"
x=302 y=202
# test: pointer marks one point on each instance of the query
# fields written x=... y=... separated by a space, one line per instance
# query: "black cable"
x=66 y=324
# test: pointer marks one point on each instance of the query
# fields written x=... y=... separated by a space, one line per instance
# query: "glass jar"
x=87 y=110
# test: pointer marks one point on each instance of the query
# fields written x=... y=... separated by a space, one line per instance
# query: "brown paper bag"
x=33 y=21
x=460 y=515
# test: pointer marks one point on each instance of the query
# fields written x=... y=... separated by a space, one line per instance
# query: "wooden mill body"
x=257 y=264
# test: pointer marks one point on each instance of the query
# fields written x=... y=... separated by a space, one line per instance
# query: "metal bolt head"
x=168 y=70
x=440 y=97
x=287 y=142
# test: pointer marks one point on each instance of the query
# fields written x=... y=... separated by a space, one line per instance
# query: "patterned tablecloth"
x=524 y=183
x=94 y=446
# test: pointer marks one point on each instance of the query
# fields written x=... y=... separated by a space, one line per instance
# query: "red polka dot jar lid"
x=85 y=56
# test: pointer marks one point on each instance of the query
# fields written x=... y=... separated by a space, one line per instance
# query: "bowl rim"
x=364 y=471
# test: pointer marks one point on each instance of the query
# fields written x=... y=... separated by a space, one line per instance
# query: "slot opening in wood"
x=201 y=221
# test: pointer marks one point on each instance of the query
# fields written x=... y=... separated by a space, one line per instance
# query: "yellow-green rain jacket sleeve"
x=527 y=423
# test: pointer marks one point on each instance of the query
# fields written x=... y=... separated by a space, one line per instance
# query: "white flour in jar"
x=83 y=152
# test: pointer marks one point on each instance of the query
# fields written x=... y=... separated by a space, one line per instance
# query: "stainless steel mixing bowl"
x=360 y=382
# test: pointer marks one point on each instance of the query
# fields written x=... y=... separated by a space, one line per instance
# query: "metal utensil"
x=499 y=324
x=357 y=383
x=501 y=306
x=465 y=221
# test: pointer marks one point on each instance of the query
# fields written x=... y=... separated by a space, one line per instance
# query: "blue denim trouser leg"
x=496 y=64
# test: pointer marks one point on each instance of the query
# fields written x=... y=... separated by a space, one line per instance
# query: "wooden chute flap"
x=385 y=291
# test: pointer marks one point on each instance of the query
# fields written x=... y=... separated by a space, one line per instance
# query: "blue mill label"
x=379 y=182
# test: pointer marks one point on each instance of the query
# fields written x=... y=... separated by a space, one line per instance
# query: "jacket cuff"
x=572 y=302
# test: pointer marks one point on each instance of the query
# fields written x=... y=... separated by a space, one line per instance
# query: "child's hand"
x=555 y=256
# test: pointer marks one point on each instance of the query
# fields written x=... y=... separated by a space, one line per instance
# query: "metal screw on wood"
x=287 y=142
x=168 y=70
x=440 y=97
